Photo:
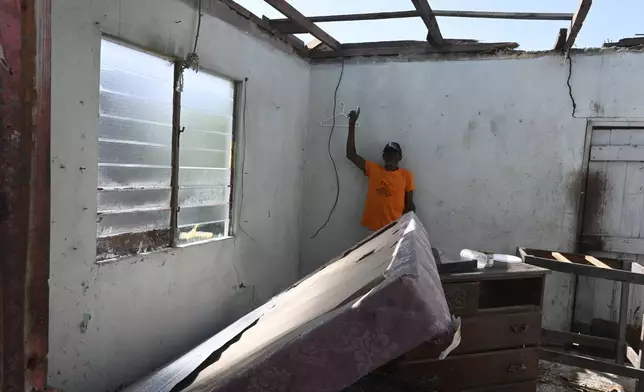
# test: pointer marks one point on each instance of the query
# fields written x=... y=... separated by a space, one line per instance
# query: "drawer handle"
x=517 y=367
x=523 y=328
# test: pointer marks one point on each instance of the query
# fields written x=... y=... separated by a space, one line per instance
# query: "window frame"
x=119 y=246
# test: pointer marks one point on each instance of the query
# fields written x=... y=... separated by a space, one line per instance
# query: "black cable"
x=335 y=167
x=192 y=59
x=572 y=99
x=198 y=28
x=243 y=164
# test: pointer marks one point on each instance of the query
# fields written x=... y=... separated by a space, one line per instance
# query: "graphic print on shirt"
x=384 y=190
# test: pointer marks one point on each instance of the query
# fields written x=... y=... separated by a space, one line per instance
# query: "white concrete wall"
x=493 y=145
x=146 y=310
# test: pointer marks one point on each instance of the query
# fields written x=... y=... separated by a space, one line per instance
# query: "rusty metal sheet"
x=24 y=192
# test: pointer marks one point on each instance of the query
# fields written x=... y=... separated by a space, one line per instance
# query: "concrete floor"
x=562 y=378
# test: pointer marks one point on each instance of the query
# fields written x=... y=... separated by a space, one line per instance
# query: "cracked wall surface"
x=113 y=323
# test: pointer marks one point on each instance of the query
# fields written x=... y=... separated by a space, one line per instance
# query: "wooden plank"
x=611 y=218
x=636 y=298
x=633 y=200
x=577 y=23
x=314 y=44
x=625 y=42
x=641 y=347
x=600 y=137
x=560 y=43
x=589 y=363
x=489 y=368
x=434 y=35
x=620 y=137
x=633 y=357
x=349 y=50
x=586 y=270
x=529 y=386
x=637 y=136
x=290 y=12
x=617 y=153
x=596 y=262
x=594 y=197
x=487 y=332
x=288 y=26
x=549 y=336
x=560 y=257
x=619 y=244
x=498 y=270
x=623 y=315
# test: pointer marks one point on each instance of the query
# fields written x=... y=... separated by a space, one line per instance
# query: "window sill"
x=132 y=258
x=218 y=239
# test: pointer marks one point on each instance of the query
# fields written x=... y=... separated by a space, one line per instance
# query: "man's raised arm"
x=352 y=155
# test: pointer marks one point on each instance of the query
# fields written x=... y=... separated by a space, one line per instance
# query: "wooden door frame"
x=591 y=124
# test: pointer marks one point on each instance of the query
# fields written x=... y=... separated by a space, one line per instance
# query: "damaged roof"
x=325 y=46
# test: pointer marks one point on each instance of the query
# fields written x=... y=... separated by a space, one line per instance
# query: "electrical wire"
x=243 y=163
x=194 y=50
x=240 y=284
x=335 y=167
x=572 y=98
x=192 y=59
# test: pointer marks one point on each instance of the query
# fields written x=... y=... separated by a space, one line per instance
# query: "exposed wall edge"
x=239 y=17
x=501 y=55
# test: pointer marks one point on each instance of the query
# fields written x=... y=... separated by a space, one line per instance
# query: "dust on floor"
x=554 y=377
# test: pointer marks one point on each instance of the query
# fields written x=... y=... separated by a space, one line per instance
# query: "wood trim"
x=350 y=50
x=287 y=26
x=434 y=35
x=590 y=126
x=633 y=357
x=623 y=319
x=589 y=363
x=549 y=336
x=617 y=153
x=617 y=244
x=615 y=123
x=176 y=133
x=295 y=15
x=560 y=257
x=586 y=270
x=577 y=23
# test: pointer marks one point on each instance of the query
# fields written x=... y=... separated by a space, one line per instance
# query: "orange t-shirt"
x=386 y=196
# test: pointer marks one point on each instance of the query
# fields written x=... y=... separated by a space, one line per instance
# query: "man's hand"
x=352 y=155
x=353 y=116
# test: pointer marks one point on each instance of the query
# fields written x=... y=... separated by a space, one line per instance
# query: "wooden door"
x=613 y=220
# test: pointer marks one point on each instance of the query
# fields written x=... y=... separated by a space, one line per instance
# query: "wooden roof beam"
x=398 y=48
x=577 y=22
x=561 y=40
x=289 y=27
x=434 y=35
x=290 y=12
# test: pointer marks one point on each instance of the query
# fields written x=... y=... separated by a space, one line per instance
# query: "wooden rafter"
x=577 y=22
x=290 y=12
x=561 y=40
x=434 y=35
x=288 y=26
x=395 y=48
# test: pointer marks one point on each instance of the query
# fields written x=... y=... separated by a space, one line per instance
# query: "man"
x=391 y=188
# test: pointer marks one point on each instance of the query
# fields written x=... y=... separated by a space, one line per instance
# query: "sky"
x=608 y=20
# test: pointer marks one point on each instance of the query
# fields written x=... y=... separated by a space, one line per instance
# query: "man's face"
x=391 y=157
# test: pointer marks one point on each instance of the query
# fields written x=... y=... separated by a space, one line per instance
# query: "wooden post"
x=623 y=317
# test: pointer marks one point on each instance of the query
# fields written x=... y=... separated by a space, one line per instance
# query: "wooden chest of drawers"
x=500 y=309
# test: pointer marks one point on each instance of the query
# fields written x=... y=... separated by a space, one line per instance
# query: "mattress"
x=375 y=302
